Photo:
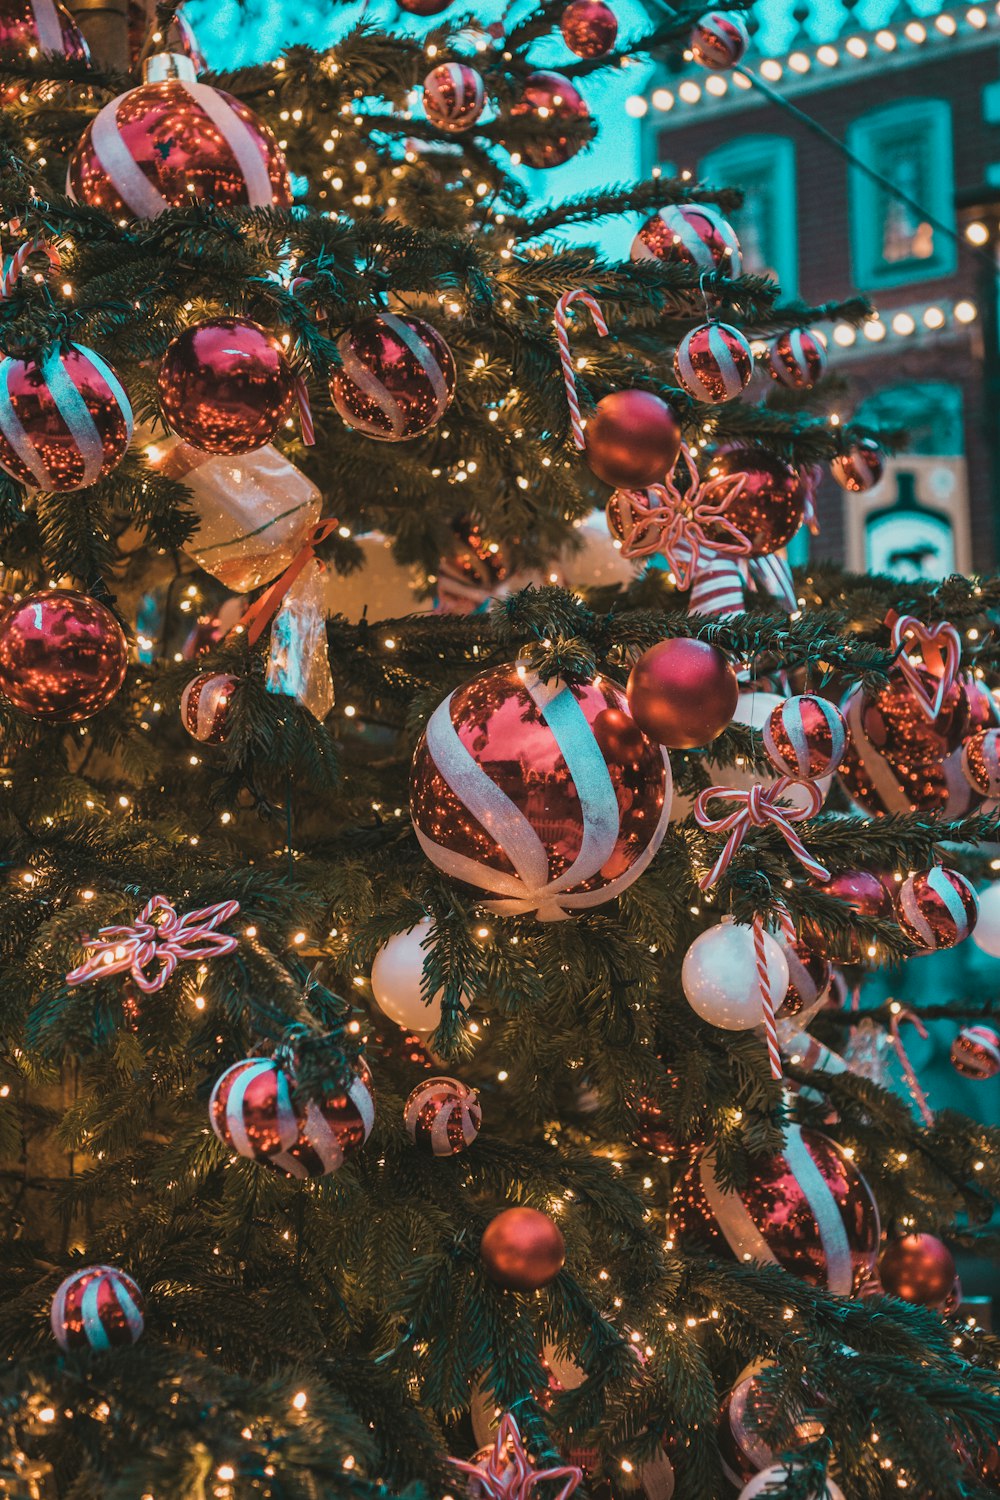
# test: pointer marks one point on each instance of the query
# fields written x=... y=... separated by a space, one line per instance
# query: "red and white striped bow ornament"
x=941 y=650
x=159 y=937
x=760 y=807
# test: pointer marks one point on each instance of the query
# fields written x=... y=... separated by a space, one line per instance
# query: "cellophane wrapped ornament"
x=299 y=663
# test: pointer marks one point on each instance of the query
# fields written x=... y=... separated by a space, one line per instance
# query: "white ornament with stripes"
x=65 y=421
x=695 y=234
x=714 y=362
x=936 y=908
x=97 y=1308
x=975 y=1052
x=205 y=704
x=721 y=978
x=442 y=1116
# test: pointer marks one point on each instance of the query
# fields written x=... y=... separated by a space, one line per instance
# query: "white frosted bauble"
x=986 y=933
x=764 y=1483
x=719 y=976
x=598 y=563
x=753 y=708
x=396 y=977
x=383 y=587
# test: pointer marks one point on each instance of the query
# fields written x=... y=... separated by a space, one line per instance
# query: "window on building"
x=763 y=168
x=930 y=413
x=893 y=238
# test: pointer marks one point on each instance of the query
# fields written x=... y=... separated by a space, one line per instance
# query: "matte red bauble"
x=550 y=100
x=859 y=469
x=453 y=96
x=62 y=655
x=396 y=379
x=589 y=27
x=522 y=1249
x=683 y=693
x=174 y=141
x=895 y=757
x=808 y=1210
x=770 y=506
x=225 y=386
x=918 y=1268
x=28 y=27
x=632 y=440
x=936 y=908
x=864 y=892
x=65 y=420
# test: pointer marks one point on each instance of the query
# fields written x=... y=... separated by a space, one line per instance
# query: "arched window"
x=763 y=168
x=893 y=240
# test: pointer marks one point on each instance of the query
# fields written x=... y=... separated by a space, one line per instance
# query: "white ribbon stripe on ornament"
x=285 y=1123
x=48 y=26
x=72 y=409
x=366 y=381
x=883 y=778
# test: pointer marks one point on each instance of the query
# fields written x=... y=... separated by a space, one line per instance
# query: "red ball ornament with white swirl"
x=797 y=359
x=396 y=378
x=860 y=468
x=714 y=362
x=174 y=141
x=743 y=1451
x=65 y=420
x=936 y=908
x=205 y=704
x=532 y=794
x=975 y=1052
x=549 y=100
x=453 y=96
x=589 y=27
x=442 y=1116
x=719 y=39
x=30 y=27
x=981 y=762
x=225 y=385
x=691 y=234
x=805 y=737
x=63 y=655
x=770 y=504
x=97 y=1308
x=252 y=1110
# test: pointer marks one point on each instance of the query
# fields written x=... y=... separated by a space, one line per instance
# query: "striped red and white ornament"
x=805 y=737
x=692 y=234
x=860 y=468
x=252 y=1110
x=205 y=704
x=28 y=27
x=719 y=39
x=443 y=1116
x=975 y=1052
x=797 y=359
x=97 y=1308
x=454 y=96
x=936 y=908
x=714 y=362
x=981 y=762
x=396 y=377
x=810 y=981
x=65 y=420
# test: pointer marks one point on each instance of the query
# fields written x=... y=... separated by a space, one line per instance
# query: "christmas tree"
x=431 y=906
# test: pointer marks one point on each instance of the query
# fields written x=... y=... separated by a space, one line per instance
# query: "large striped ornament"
x=805 y=737
x=397 y=377
x=453 y=96
x=975 y=1052
x=205 y=706
x=714 y=362
x=797 y=359
x=936 y=908
x=896 y=759
x=544 y=795
x=28 y=27
x=719 y=39
x=981 y=762
x=693 y=234
x=807 y=1209
x=97 y=1308
x=65 y=420
x=253 y=1112
x=741 y=1448
x=860 y=468
x=174 y=141
x=442 y=1116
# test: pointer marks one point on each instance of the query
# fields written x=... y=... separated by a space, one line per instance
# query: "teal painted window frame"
x=727 y=165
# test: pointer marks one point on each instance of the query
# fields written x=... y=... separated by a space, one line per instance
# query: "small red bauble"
x=918 y=1268
x=797 y=359
x=453 y=96
x=174 y=141
x=714 y=362
x=225 y=386
x=65 y=420
x=975 y=1052
x=589 y=27
x=691 y=234
x=62 y=655
x=205 y=704
x=550 y=100
x=522 y=1249
x=397 y=377
x=252 y=1110
x=632 y=439
x=30 y=27
x=805 y=737
x=936 y=908
x=860 y=468
x=719 y=39
x=97 y=1308
x=864 y=893
x=683 y=693
x=442 y=1116
x=770 y=506
x=895 y=756
x=981 y=762
x=810 y=976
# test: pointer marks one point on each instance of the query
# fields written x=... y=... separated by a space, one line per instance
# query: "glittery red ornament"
x=453 y=96
x=719 y=39
x=683 y=693
x=397 y=377
x=65 y=420
x=714 y=362
x=30 y=27
x=797 y=359
x=180 y=36
x=895 y=757
x=225 y=386
x=174 y=141
x=805 y=737
x=918 y=1268
x=550 y=100
x=770 y=506
x=864 y=892
x=690 y=234
x=808 y=1210
x=522 y=1249
x=633 y=439
x=62 y=655
x=205 y=704
x=936 y=908
x=589 y=27
x=981 y=762
x=97 y=1308
x=975 y=1052
x=252 y=1110
x=860 y=468
x=442 y=1116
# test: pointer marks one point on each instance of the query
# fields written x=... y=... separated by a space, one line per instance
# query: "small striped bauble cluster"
x=205 y=706
x=692 y=234
x=975 y=1052
x=719 y=39
x=936 y=908
x=453 y=96
x=714 y=362
x=860 y=468
x=797 y=359
x=396 y=377
x=981 y=762
x=254 y=1112
x=65 y=420
x=805 y=737
x=97 y=1308
x=442 y=1116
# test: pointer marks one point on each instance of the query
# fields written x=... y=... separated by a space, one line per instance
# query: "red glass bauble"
x=525 y=791
x=975 y=1052
x=864 y=892
x=683 y=693
x=918 y=1268
x=810 y=976
x=453 y=96
x=522 y=1249
x=936 y=908
x=30 y=27
x=205 y=705
x=654 y=1130
x=860 y=468
x=719 y=39
x=62 y=655
x=549 y=100
x=98 y=1307
x=66 y=421
x=714 y=362
x=589 y=27
x=770 y=506
x=174 y=141
x=632 y=440
x=691 y=234
x=396 y=379
x=253 y=1110
x=895 y=756
x=981 y=762
x=781 y=1215
x=805 y=737
x=225 y=386
x=797 y=359
x=442 y=1116
x=180 y=36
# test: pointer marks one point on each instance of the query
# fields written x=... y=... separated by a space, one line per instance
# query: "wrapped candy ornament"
x=719 y=39
x=396 y=378
x=692 y=234
x=975 y=1052
x=805 y=737
x=453 y=96
x=443 y=1116
x=225 y=386
x=65 y=420
x=797 y=359
x=63 y=655
x=714 y=362
x=298 y=661
x=936 y=908
x=550 y=100
x=588 y=27
x=97 y=1308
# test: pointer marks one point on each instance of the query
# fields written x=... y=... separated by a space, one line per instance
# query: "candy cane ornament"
x=566 y=357
x=912 y=1082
